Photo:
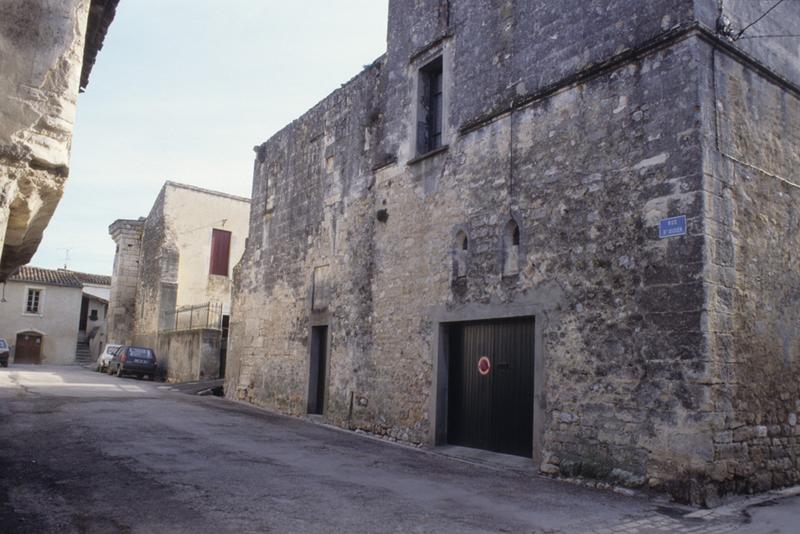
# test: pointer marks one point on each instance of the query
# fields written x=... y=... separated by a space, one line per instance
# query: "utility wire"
x=772 y=36
x=767 y=12
x=213 y=224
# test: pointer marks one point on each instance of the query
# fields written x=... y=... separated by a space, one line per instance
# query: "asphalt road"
x=88 y=453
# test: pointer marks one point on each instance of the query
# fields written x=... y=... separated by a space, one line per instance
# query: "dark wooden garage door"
x=28 y=348
x=492 y=411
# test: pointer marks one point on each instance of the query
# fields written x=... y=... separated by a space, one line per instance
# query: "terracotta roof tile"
x=88 y=278
x=51 y=277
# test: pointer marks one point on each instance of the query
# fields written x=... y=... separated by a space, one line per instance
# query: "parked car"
x=139 y=361
x=105 y=357
x=5 y=352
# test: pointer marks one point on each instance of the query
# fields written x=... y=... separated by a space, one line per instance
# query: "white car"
x=5 y=352
x=105 y=357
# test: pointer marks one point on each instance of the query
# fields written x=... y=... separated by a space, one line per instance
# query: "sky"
x=183 y=90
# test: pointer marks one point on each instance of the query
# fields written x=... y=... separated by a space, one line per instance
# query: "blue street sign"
x=672 y=227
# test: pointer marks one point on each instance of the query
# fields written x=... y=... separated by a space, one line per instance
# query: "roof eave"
x=101 y=14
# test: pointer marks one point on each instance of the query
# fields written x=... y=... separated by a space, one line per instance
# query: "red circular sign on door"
x=484 y=365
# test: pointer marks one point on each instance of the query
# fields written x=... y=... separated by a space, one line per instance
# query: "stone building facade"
x=45 y=314
x=569 y=136
x=47 y=50
x=167 y=292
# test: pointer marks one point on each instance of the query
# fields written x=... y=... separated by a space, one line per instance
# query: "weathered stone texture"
x=41 y=60
x=157 y=279
x=752 y=183
x=189 y=355
x=164 y=265
x=127 y=234
x=586 y=142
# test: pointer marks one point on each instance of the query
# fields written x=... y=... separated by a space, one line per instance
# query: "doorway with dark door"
x=490 y=385
x=223 y=345
x=84 y=314
x=317 y=375
x=28 y=348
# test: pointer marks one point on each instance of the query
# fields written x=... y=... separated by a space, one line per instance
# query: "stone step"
x=82 y=352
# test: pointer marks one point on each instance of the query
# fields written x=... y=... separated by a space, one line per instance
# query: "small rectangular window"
x=430 y=123
x=220 y=252
x=32 y=304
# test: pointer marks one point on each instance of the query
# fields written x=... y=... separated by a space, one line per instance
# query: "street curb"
x=726 y=511
x=741 y=504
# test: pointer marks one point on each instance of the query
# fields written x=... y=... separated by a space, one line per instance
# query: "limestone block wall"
x=587 y=174
x=176 y=251
x=312 y=212
x=189 y=355
x=127 y=234
x=41 y=55
x=157 y=279
x=190 y=216
x=752 y=184
x=587 y=146
x=163 y=262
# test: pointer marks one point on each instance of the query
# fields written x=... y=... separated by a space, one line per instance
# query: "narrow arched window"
x=511 y=248
x=460 y=253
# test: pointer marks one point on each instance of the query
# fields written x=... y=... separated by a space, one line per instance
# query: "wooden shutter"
x=220 y=252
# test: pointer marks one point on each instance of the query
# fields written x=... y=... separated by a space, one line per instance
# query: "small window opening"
x=461 y=253
x=33 y=301
x=429 y=123
x=511 y=248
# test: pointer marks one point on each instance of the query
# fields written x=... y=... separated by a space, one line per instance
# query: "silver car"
x=5 y=352
x=105 y=357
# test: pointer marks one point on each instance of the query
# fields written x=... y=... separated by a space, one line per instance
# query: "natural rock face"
x=668 y=362
x=42 y=60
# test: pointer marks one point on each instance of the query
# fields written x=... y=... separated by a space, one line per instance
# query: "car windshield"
x=136 y=352
x=3 y=344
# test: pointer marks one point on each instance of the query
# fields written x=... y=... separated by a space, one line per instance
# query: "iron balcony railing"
x=208 y=315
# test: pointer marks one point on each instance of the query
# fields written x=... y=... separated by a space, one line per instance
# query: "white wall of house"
x=96 y=290
x=99 y=308
x=190 y=216
x=57 y=320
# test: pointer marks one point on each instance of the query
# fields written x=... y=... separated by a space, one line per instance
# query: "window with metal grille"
x=220 y=252
x=33 y=301
x=429 y=133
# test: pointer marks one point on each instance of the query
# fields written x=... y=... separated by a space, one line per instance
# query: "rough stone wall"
x=751 y=162
x=157 y=283
x=41 y=54
x=587 y=146
x=127 y=234
x=312 y=208
x=189 y=355
x=766 y=40
x=190 y=216
x=171 y=252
